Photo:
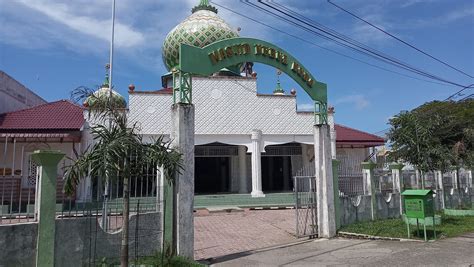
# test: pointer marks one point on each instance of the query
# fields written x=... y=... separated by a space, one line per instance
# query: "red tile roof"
x=350 y=136
x=59 y=115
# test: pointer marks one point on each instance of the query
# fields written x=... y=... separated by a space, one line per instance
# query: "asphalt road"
x=457 y=251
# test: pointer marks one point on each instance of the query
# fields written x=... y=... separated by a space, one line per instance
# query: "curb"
x=373 y=237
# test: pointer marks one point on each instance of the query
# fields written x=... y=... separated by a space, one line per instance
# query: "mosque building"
x=245 y=141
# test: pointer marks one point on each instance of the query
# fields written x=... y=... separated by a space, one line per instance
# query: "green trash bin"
x=419 y=204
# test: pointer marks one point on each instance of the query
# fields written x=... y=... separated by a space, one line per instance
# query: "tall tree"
x=435 y=135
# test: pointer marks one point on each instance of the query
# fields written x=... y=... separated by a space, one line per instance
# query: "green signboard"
x=234 y=51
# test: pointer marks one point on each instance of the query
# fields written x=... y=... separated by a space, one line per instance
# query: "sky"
x=55 y=46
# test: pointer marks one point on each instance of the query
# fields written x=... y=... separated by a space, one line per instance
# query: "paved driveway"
x=219 y=234
x=447 y=252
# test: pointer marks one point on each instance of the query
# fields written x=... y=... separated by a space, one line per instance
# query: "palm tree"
x=114 y=145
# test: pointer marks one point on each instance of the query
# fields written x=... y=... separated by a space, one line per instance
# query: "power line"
x=342 y=40
x=459 y=92
x=400 y=40
x=330 y=50
x=449 y=98
x=325 y=48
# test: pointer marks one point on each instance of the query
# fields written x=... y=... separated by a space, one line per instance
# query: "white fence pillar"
x=469 y=178
x=398 y=181
x=369 y=179
x=439 y=180
x=454 y=177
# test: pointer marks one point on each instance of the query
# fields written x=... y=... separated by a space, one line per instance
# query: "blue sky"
x=54 y=46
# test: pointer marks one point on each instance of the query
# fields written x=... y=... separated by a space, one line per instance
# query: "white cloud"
x=125 y=36
x=459 y=14
x=367 y=34
x=359 y=101
x=414 y=2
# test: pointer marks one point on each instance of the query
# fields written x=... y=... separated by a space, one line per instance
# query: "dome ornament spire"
x=204 y=5
x=106 y=80
x=278 y=90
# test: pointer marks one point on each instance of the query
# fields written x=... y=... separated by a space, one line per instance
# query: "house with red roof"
x=57 y=125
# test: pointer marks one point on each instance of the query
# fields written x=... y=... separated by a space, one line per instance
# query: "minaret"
x=106 y=80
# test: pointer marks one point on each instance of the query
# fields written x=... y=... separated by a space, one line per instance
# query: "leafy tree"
x=435 y=135
x=115 y=143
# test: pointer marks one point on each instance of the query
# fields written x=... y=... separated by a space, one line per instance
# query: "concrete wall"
x=459 y=198
x=18 y=244
x=78 y=240
x=15 y=96
x=357 y=209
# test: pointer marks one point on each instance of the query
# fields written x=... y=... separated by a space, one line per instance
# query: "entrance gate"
x=305 y=203
x=206 y=61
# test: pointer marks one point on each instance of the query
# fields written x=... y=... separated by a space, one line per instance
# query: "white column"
x=324 y=180
x=242 y=170
x=332 y=132
x=256 y=164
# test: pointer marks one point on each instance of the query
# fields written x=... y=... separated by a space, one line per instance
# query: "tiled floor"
x=219 y=234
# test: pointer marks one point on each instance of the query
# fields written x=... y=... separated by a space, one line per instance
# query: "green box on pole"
x=418 y=203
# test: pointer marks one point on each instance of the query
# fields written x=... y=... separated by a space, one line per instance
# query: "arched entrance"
x=211 y=59
x=234 y=51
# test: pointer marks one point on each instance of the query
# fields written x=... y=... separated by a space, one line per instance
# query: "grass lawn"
x=153 y=261
x=176 y=261
x=451 y=226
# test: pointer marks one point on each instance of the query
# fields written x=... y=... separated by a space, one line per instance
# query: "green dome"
x=102 y=95
x=202 y=28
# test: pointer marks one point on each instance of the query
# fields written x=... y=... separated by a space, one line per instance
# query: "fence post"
x=439 y=179
x=368 y=169
x=469 y=178
x=454 y=177
x=335 y=175
x=398 y=184
x=417 y=178
x=48 y=160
